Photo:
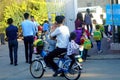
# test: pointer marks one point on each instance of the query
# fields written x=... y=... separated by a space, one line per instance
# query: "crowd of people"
x=58 y=36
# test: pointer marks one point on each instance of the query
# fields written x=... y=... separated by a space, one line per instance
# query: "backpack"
x=102 y=28
x=87 y=44
x=97 y=35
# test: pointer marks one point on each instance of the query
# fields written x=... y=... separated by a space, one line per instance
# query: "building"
x=70 y=8
x=90 y=3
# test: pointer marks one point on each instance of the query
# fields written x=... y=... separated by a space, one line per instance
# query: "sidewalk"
x=107 y=53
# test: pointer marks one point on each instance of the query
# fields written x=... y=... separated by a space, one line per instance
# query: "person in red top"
x=40 y=28
x=86 y=31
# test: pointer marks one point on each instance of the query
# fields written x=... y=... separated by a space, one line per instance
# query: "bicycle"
x=38 y=67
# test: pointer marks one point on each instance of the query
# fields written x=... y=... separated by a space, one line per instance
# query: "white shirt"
x=62 y=35
x=36 y=26
x=71 y=47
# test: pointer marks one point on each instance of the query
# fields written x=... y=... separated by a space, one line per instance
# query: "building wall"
x=90 y=3
x=70 y=13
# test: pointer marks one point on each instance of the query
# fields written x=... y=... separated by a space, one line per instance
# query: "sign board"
x=113 y=14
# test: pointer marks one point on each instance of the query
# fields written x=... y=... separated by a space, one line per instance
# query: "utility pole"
x=113 y=26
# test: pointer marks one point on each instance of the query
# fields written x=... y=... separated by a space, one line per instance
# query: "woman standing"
x=78 y=27
x=79 y=20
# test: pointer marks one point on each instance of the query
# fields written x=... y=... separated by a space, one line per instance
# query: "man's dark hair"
x=46 y=21
x=72 y=36
x=9 y=21
x=59 y=19
x=26 y=15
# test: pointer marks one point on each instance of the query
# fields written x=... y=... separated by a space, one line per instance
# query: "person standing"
x=88 y=20
x=11 y=33
x=78 y=27
x=28 y=34
x=2 y=36
x=35 y=25
x=46 y=26
x=79 y=21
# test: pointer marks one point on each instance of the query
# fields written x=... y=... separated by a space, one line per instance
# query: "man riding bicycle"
x=62 y=36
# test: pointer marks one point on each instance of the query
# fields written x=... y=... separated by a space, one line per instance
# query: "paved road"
x=98 y=67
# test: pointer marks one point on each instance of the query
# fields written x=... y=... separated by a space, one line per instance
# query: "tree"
x=16 y=8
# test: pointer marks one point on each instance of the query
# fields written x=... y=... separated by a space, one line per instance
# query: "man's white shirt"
x=62 y=35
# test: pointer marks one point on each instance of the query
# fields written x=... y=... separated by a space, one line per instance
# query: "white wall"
x=70 y=13
x=119 y=1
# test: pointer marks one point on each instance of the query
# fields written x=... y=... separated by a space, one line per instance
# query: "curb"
x=104 y=57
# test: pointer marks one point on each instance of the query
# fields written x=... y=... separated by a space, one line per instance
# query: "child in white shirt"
x=73 y=48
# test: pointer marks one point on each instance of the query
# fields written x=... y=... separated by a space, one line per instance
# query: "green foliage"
x=38 y=10
x=16 y=8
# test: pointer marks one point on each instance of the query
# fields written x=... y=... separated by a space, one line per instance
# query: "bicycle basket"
x=39 y=49
x=39 y=44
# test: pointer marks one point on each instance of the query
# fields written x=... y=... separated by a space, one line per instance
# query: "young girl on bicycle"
x=73 y=48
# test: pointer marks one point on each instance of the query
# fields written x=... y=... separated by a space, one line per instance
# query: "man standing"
x=28 y=34
x=11 y=33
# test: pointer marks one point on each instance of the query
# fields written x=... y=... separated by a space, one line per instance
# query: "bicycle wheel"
x=72 y=74
x=36 y=69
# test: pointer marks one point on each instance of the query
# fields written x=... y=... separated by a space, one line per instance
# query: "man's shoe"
x=57 y=72
x=15 y=64
x=11 y=63
x=26 y=61
x=62 y=75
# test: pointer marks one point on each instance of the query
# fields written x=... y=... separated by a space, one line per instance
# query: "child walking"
x=97 y=36
x=86 y=43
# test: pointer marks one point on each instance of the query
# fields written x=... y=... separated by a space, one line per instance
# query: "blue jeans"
x=13 y=46
x=98 y=45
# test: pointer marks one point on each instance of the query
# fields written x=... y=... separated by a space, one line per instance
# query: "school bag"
x=87 y=44
x=102 y=28
x=97 y=35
